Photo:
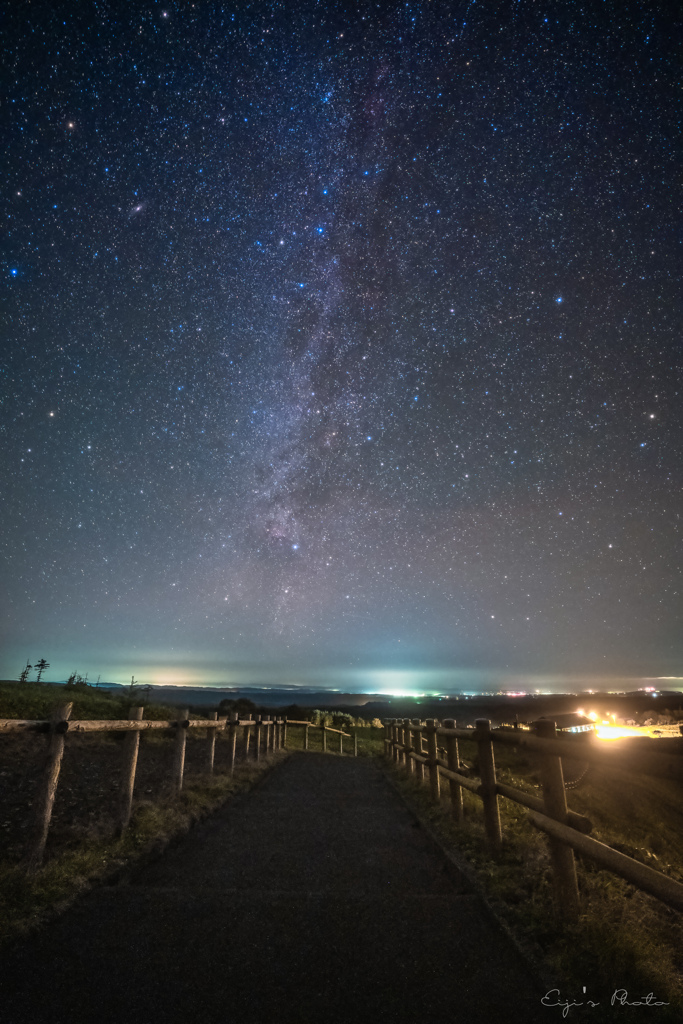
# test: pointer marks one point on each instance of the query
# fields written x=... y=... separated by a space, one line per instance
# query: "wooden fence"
x=252 y=738
x=324 y=730
x=415 y=746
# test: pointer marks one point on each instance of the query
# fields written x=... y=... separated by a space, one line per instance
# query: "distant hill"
x=210 y=696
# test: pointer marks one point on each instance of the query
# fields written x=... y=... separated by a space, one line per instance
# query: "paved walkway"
x=315 y=898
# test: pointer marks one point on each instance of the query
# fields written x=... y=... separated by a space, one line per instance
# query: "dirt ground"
x=89 y=782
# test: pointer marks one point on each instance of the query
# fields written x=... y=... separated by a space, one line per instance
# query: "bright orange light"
x=617 y=732
x=592 y=715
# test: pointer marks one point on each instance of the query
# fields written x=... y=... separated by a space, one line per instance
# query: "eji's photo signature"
x=619 y=997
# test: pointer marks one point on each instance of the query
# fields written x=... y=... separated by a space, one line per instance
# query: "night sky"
x=341 y=337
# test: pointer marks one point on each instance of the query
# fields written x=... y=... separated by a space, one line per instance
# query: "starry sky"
x=341 y=337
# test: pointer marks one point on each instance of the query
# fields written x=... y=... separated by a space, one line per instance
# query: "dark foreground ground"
x=315 y=898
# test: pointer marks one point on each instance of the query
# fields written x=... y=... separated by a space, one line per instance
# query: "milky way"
x=341 y=335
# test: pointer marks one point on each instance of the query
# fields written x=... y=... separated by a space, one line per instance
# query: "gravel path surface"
x=314 y=898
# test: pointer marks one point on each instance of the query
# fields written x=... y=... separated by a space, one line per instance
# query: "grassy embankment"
x=624 y=939
x=370 y=740
x=82 y=848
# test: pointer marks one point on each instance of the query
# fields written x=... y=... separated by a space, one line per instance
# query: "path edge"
x=531 y=955
x=156 y=848
x=121 y=873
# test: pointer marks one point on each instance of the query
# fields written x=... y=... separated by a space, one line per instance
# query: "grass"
x=79 y=857
x=35 y=701
x=370 y=740
x=624 y=938
x=82 y=856
x=25 y=903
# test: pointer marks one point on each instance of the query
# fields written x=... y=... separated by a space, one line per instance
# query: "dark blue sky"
x=341 y=336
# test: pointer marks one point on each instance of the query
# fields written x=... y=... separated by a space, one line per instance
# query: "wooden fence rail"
x=567 y=830
x=261 y=735
x=324 y=730
x=269 y=733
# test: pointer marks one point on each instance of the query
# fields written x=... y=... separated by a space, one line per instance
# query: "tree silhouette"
x=136 y=695
x=77 y=682
x=24 y=672
x=134 y=689
x=242 y=706
x=41 y=666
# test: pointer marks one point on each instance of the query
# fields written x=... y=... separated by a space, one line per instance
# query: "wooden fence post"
x=555 y=803
x=394 y=742
x=131 y=745
x=401 y=737
x=487 y=772
x=234 y=718
x=355 y=742
x=179 y=751
x=284 y=732
x=434 y=782
x=211 y=745
x=246 y=741
x=306 y=728
x=323 y=737
x=417 y=746
x=45 y=797
x=257 y=737
x=341 y=742
x=407 y=739
x=453 y=758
